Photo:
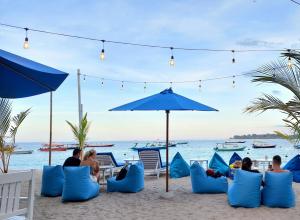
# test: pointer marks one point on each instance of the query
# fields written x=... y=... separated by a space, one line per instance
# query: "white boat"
x=261 y=144
x=228 y=147
x=22 y=152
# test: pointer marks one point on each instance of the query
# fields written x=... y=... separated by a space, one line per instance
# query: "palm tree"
x=80 y=133
x=286 y=75
x=9 y=125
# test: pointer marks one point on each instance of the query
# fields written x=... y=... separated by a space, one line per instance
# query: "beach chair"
x=152 y=161
x=10 y=191
x=107 y=159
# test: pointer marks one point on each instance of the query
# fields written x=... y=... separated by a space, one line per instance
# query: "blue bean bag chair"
x=52 y=181
x=78 y=184
x=132 y=183
x=218 y=164
x=201 y=183
x=278 y=190
x=294 y=166
x=179 y=167
x=234 y=157
x=245 y=189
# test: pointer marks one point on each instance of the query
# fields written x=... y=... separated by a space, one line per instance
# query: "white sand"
x=151 y=203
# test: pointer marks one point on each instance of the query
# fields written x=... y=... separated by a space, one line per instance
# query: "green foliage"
x=288 y=77
x=8 y=131
x=80 y=132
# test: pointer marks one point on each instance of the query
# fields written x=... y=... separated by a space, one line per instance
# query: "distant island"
x=256 y=136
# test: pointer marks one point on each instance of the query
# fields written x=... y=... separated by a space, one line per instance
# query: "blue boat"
x=158 y=146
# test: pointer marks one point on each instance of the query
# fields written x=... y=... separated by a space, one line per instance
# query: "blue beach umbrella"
x=166 y=101
x=21 y=77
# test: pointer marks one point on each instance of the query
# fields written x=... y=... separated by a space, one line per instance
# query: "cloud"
x=258 y=43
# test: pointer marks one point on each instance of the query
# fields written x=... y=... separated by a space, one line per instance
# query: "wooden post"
x=50 y=138
x=167 y=151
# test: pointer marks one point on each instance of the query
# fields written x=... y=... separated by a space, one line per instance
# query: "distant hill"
x=256 y=136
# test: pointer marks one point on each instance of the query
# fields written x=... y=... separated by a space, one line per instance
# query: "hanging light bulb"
x=233 y=81
x=171 y=83
x=122 y=86
x=233 y=59
x=83 y=77
x=102 y=54
x=145 y=86
x=172 y=60
x=102 y=83
x=26 y=42
x=200 y=86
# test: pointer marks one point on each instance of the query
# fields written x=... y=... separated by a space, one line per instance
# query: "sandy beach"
x=151 y=204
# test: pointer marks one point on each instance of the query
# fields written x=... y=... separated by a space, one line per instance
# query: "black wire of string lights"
x=294 y=1
x=137 y=44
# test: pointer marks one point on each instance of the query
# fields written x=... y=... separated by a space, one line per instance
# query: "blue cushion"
x=201 y=183
x=245 y=189
x=278 y=190
x=234 y=157
x=179 y=167
x=78 y=184
x=294 y=166
x=52 y=181
x=218 y=164
x=133 y=182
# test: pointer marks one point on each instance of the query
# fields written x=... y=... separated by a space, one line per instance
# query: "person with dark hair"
x=73 y=161
x=246 y=165
x=276 y=163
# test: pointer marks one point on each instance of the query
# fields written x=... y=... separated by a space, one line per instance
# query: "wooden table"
x=201 y=161
x=104 y=168
x=131 y=161
x=264 y=162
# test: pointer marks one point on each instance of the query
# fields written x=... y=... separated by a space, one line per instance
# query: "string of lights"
x=107 y=41
x=294 y=1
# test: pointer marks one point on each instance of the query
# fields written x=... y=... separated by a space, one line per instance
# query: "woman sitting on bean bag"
x=89 y=159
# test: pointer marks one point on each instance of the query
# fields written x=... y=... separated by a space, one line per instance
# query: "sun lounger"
x=152 y=161
x=106 y=159
x=10 y=185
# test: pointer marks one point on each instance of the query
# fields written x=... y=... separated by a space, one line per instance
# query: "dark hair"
x=277 y=159
x=76 y=151
x=246 y=163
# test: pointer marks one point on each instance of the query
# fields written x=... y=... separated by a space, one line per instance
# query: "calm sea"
x=122 y=150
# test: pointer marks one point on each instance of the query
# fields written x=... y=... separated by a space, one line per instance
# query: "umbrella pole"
x=50 y=136
x=167 y=151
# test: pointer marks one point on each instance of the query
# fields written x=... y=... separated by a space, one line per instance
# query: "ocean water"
x=122 y=150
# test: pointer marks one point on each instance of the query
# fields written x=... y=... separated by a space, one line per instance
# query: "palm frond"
x=5 y=115
x=17 y=121
x=279 y=73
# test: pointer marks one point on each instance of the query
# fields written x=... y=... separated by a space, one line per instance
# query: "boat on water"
x=235 y=142
x=46 y=149
x=99 y=145
x=182 y=142
x=261 y=144
x=228 y=147
x=23 y=152
x=158 y=146
x=54 y=145
x=297 y=146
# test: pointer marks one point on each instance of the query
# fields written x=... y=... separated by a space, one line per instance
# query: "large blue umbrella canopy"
x=21 y=77
x=167 y=101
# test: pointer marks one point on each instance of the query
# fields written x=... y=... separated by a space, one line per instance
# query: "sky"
x=221 y=24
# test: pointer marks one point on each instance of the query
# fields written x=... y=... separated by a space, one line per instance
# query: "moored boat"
x=235 y=142
x=158 y=146
x=99 y=145
x=23 y=152
x=182 y=142
x=228 y=147
x=46 y=149
x=54 y=145
x=260 y=144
